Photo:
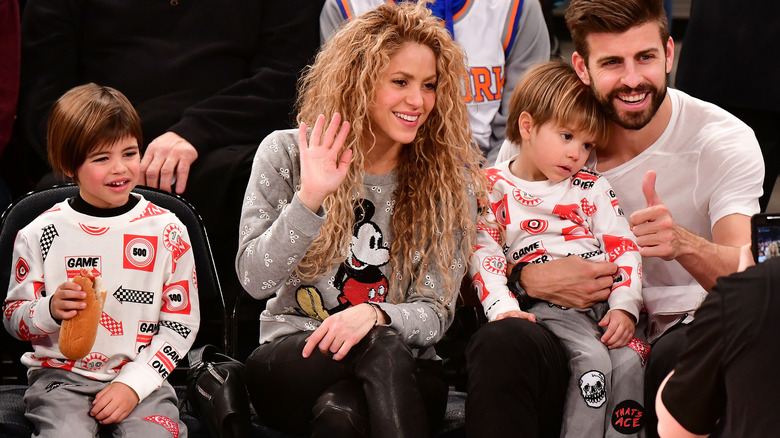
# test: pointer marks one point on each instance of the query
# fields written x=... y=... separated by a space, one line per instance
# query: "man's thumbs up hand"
x=655 y=230
x=648 y=188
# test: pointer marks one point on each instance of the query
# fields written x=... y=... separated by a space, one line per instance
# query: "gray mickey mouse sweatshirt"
x=277 y=229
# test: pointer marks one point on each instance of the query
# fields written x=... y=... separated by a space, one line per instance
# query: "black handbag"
x=216 y=391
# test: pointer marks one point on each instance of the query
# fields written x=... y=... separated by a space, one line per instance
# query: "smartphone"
x=765 y=230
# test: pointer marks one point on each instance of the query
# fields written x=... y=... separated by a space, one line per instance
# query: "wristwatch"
x=513 y=282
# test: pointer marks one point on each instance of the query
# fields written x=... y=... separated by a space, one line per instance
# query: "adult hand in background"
x=168 y=158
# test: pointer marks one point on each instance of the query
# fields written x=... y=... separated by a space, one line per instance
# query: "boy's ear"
x=69 y=175
x=526 y=124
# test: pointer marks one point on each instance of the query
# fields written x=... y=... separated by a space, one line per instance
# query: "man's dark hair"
x=584 y=17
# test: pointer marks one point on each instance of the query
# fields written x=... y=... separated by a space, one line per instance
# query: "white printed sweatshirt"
x=541 y=221
x=151 y=313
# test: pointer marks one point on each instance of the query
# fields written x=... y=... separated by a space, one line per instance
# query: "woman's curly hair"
x=436 y=172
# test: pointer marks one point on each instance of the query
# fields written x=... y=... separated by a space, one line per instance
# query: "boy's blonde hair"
x=85 y=118
x=435 y=171
x=552 y=92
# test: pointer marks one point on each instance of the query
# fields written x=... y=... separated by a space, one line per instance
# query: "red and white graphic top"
x=539 y=221
x=151 y=313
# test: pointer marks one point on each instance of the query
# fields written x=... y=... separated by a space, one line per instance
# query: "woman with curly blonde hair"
x=359 y=232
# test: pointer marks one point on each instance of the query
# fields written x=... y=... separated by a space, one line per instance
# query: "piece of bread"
x=78 y=334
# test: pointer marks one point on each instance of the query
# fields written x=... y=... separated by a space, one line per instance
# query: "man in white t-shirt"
x=687 y=174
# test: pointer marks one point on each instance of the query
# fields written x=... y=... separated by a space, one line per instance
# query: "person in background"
x=724 y=384
x=9 y=87
x=209 y=80
x=748 y=32
x=502 y=39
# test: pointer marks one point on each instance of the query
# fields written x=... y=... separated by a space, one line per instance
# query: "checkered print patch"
x=181 y=329
x=134 y=296
x=49 y=233
x=492 y=232
x=587 y=207
x=113 y=326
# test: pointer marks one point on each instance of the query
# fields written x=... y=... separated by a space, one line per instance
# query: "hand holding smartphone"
x=765 y=232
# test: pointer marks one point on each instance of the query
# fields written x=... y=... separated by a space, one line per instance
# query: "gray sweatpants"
x=606 y=386
x=58 y=404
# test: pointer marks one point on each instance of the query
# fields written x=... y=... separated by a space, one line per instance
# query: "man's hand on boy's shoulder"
x=66 y=301
x=114 y=403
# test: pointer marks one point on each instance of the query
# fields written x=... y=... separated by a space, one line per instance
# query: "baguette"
x=78 y=334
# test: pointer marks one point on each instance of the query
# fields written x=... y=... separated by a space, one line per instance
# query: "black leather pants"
x=377 y=390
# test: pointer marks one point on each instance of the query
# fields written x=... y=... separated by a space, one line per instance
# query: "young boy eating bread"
x=142 y=253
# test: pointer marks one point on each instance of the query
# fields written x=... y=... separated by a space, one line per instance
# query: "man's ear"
x=580 y=67
x=669 y=55
x=526 y=124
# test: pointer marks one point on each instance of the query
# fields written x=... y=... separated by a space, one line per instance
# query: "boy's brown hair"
x=552 y=92
x=584 y=17
x=85 y=118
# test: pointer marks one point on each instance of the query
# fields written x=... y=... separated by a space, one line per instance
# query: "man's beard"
x=632 y=120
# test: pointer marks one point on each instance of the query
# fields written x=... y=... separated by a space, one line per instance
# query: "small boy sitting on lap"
x=545 y=205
